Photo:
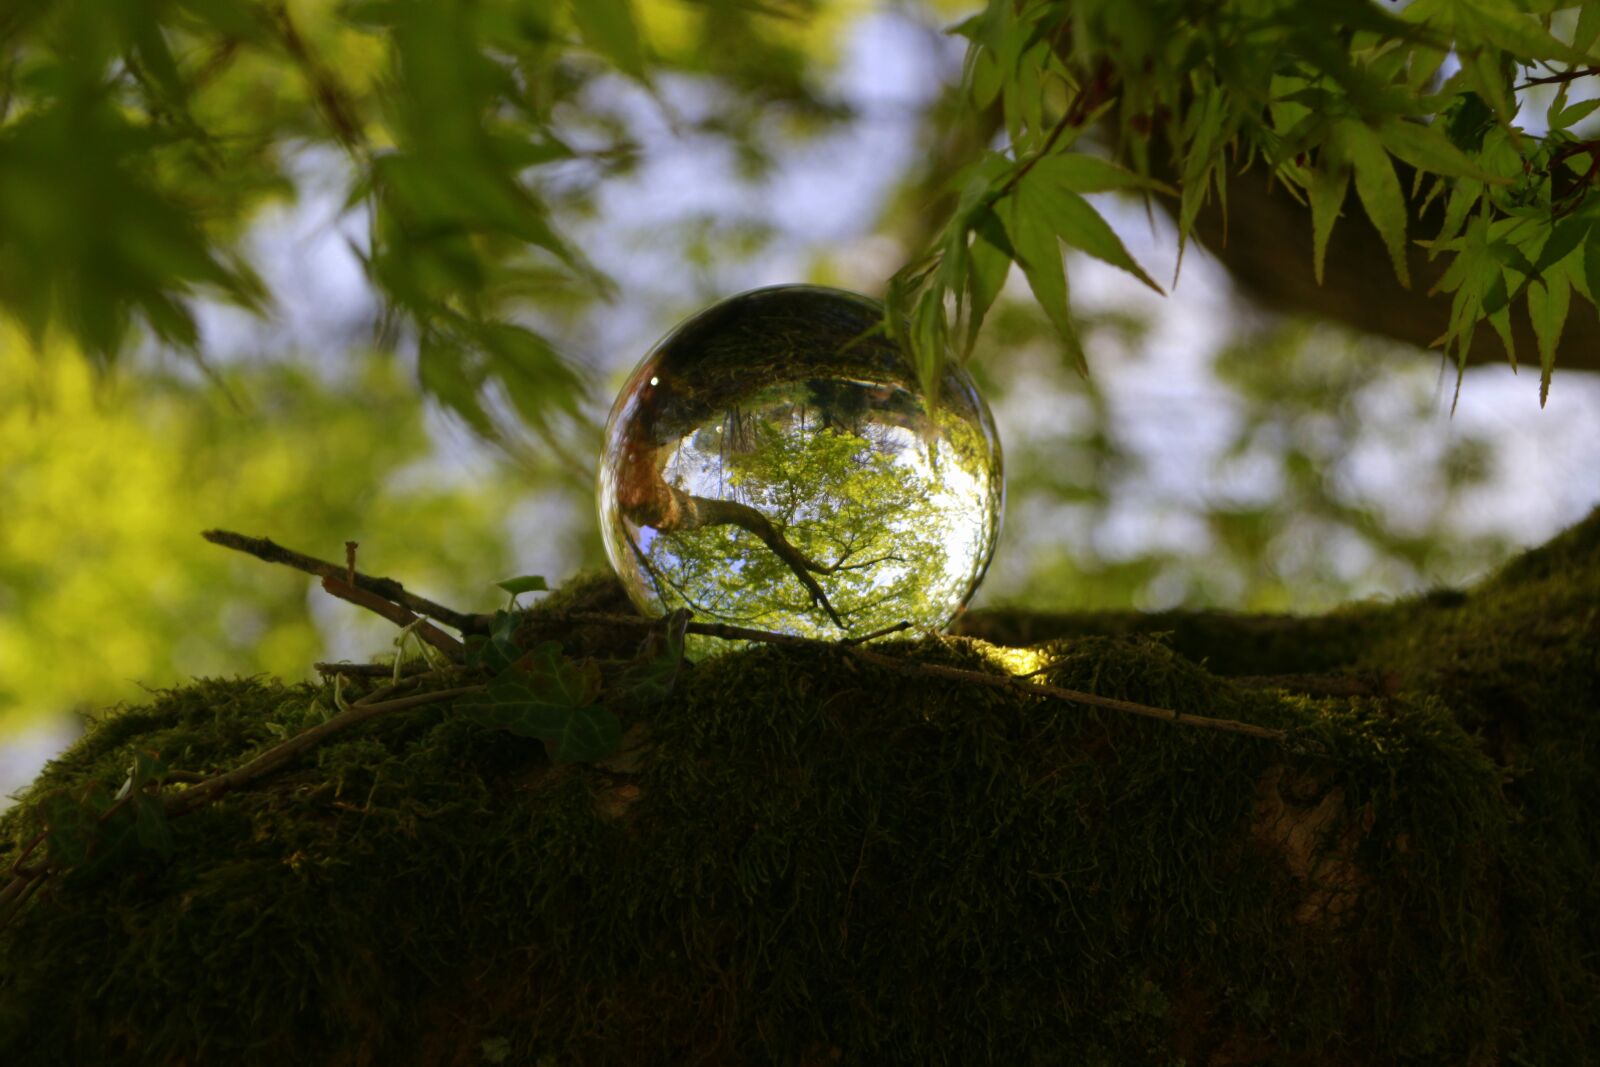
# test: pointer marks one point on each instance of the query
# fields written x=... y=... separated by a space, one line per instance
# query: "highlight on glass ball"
x=773 y=463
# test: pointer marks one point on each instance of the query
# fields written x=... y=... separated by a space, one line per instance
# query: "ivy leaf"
x=1548 y=303
x=528 y=583
x=1379 y=190
x=581 y=735
x=651 y=675
x=556 y=677
x=497 y=652
x=523 y=705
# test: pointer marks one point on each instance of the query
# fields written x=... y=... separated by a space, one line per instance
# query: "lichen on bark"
x=805 y=859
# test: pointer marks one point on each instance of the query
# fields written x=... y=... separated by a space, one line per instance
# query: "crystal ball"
x=773 y=463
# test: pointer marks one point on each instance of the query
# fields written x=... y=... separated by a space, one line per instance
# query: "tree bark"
x=1264 y=241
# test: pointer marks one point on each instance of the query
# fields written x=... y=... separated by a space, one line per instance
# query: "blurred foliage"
x=138 y=138
x=477 y=143
x=1328 y=95
x=1308 y=468
x=104 y=582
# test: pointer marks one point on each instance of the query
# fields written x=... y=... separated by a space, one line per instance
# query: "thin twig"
x=1088 y=98
x=388 y=588
x=1555 y=79
x=959 y=674
x=396 y=614
x=330 y=96
x=1006 y=681
x=198 y=796
x=16 y=894
x=874 y=635
x=367 y=670
x=27 y=850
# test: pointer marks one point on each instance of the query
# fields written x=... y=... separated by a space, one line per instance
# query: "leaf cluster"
x=541 y=693
x=138 y=142
x=1325 y=95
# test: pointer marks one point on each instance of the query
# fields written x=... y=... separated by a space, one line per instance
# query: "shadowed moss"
x=819 y=861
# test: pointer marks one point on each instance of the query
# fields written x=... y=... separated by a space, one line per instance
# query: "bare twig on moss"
x=198 y=796
x=396 y=614
x=1127 y=707
x=388 y=588
x=17 y=892
x=367 y=670
x=874 y=635
x=955 y=674
x=25 y=881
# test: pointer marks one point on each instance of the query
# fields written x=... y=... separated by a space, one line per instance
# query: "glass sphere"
x=773 y=463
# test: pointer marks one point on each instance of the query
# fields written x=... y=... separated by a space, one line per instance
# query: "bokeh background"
x=1215 y=456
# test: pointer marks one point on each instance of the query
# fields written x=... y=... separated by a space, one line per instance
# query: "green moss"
x=819 y=860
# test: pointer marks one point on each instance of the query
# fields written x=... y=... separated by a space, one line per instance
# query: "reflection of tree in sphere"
x=773 y=463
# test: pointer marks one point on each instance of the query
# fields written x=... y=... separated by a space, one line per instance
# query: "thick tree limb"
x=698 y=511
x=1265 y=244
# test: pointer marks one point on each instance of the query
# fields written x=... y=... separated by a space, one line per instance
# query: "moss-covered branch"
x=806 y=857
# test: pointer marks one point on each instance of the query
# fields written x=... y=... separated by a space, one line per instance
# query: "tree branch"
x=699 y=511
x=1565 y=76
x=388 y=588
x=396 y=614
x=1264 y=241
